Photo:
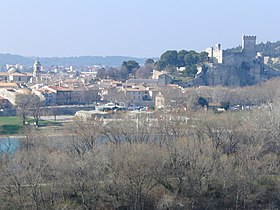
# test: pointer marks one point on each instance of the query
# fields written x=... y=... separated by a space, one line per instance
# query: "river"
x=8 y=145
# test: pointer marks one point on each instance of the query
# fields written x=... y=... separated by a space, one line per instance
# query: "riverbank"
x=12 y=125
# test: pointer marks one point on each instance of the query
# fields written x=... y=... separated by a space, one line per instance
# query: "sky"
x=139 y=28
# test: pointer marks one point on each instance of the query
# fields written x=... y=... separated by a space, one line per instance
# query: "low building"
x=58 y=95
x=93 y=114
x=137 y=94
x=158 y=79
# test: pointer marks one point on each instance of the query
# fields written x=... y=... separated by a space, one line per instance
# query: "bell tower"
x=36 y=71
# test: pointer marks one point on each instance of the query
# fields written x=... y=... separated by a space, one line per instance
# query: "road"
x=59 y=118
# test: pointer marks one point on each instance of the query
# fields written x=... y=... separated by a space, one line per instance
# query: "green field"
x=10 y=125
x=13 y=125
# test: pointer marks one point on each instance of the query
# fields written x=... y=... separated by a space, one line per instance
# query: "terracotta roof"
x=139 y=81
x=4 y=74
x=59 y=88
x=116 y=82
x=135 y=90
x=2 y=98
x=22 y=74
x=8 y=84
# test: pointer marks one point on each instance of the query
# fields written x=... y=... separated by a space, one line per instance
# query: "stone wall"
x=239 y=74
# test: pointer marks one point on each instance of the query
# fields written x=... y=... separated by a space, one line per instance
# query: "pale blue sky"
x=142 y=28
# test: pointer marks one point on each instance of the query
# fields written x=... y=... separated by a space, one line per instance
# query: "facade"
x=159 y=80
x=12 y=94
x=137 y=94
x=159 y=101
x=57 y=95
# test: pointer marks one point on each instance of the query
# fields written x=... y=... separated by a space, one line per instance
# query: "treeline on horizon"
x=187 y=158
x=268 y=49
x=113 y=61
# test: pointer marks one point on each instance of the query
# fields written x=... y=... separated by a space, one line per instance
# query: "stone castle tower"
x=36 y=71
x=249 y=46
x=215 y=54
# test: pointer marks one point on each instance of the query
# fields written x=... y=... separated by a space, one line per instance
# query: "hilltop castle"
x=227 y=68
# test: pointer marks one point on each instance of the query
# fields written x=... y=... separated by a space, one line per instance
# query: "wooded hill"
x=271 y=49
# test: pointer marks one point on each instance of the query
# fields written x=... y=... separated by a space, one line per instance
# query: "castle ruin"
x=228 y=68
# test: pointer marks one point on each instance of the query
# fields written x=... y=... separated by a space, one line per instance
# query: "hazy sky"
x=142 y=28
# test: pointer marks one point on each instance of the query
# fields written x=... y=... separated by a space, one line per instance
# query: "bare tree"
x=28 y=104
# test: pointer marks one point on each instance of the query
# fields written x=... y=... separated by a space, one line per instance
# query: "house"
x=12 y=94
x=58 y=95
x=158 y=79
x=137 y=94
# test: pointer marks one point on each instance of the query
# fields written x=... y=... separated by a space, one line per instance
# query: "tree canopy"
x=183 y=58
x=130 y=65
x=149 y=61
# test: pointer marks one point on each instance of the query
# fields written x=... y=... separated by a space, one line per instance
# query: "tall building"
x=36 y=71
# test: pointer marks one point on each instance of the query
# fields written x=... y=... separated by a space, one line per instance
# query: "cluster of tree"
x=270 y=49
x=189 y=59
x=129 y=68
x=120 y=74
x=145 y=72
x=262 y=94
x=169 y=161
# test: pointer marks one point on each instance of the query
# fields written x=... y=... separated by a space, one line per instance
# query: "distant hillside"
x=15 y=59
x=68 y=61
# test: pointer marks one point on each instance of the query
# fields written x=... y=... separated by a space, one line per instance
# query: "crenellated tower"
x=249 y=46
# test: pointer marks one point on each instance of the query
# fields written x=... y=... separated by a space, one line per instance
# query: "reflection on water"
x=8 y=145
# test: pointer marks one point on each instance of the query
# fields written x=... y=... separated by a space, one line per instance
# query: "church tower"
x=36 y=71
